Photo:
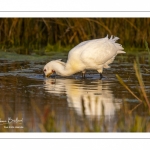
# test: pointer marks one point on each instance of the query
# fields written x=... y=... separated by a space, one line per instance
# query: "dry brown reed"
x=35 y=33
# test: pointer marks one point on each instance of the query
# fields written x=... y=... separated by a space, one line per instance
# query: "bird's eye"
x=44 y=70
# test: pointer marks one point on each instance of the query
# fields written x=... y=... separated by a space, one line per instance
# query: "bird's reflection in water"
x=91 y=98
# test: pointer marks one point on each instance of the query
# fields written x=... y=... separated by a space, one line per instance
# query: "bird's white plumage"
x=92 y=54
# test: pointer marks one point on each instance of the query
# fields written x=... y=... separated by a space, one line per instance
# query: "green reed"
x=144 y=99
x=142 y=91
x=147 y=48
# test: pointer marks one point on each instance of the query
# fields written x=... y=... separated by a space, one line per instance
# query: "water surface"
x=26 y=94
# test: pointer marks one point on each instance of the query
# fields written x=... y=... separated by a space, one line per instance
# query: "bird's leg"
x=55 y=78
x=100 y=72
x=101 y=76
x=83 y=74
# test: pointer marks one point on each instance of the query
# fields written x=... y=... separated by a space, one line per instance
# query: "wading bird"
x=92 y=54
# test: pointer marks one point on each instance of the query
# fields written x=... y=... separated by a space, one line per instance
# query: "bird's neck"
x=63 y=71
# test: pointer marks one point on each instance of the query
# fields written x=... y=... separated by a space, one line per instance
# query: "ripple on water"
x=23 y=81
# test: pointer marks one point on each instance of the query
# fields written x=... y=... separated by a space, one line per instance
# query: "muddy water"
x=26 y=96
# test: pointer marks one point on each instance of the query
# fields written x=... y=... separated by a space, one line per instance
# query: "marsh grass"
x=134 y=122
x=147 y=48
x=144 y=97
x=27 y=35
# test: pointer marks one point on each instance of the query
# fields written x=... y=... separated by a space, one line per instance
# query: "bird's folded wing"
x=98 y=52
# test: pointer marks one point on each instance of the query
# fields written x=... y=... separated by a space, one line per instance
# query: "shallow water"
x=27 y=96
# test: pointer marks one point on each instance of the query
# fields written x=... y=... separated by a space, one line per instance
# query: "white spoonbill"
x=92 y=54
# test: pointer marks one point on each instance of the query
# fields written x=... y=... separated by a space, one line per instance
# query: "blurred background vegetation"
x=40 y=35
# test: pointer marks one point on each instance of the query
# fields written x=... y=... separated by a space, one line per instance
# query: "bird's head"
x=48 y=69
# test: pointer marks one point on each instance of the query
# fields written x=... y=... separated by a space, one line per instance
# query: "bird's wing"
x=77 y=49
x=99 y=51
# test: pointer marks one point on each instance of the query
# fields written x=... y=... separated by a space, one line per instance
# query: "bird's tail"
x=118 y=46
